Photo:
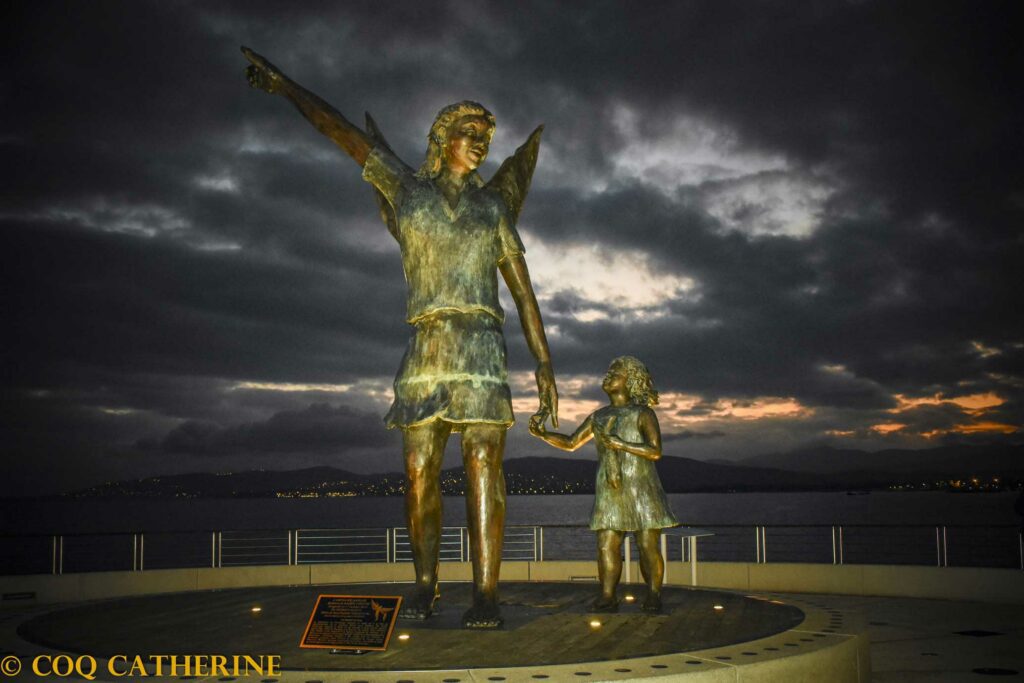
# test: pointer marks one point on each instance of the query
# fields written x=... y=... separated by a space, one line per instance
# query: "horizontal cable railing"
x=318 y=546
x=996 y=546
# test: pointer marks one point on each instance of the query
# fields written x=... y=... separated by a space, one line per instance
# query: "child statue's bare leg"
x=423 y=448
x=609 y=568
x=483 y=446
x=652 y=566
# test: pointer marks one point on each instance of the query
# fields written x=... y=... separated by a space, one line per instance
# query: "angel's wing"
x=513 y=178
x=387 y=212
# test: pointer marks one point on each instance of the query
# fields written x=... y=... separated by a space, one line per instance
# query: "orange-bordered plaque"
x=352 y=622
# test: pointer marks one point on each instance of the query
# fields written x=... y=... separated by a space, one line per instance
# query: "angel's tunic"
x=639 y=501
x=454 y=367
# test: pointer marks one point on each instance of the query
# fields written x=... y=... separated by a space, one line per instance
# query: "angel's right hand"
x=537 y=421
x=261 y=73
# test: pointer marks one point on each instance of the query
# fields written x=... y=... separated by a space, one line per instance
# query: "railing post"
x=840 y=544
x=941 y=556
x=220 y=548
x=135 y=552
x=142 y=552
x=1020 y=546
x=542 y=546
x=693 y=560
x=759 y=545
x=57 y=561
x=629 y=559
x=664 y=557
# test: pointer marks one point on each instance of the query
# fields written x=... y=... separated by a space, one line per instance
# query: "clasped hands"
x=605 y=437
x=548 y=394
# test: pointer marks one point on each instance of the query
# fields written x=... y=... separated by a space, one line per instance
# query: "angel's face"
x=467 y=144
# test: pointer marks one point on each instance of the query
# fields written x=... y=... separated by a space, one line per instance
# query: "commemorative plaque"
x=351 y=622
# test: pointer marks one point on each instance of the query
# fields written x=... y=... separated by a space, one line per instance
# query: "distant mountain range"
x=803 y=470
x=946 y=461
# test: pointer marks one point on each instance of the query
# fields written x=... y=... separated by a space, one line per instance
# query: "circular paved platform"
x=546 y=624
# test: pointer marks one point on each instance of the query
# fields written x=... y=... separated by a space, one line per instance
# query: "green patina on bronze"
x=454 y=368
x=629 y=495
x=637 y=501
x=456 y=234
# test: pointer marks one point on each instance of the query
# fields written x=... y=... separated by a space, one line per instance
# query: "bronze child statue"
x=456 y=233
x=629 y=495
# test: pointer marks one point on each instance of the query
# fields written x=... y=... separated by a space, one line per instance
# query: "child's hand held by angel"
x=537 y=421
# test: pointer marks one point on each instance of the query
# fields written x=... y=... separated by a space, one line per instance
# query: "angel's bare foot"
x=605 y=604
x=484 y=613
x=420 y=604
x=652 y=603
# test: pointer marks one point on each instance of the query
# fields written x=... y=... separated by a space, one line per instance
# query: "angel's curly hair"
x=639 y=384
x=438 y=135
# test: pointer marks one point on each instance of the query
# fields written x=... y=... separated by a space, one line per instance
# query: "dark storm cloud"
x=318 y=428
x=686 y=434
x=152 y=307
x=841 y=182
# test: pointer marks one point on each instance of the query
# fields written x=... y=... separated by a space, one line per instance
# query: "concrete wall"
x=951 y=583
x=944 y=583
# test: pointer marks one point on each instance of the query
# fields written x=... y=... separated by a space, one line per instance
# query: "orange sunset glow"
x=972 y=403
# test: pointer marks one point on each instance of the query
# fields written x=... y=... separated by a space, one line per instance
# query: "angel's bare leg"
x=483 y=446
x=424 y=450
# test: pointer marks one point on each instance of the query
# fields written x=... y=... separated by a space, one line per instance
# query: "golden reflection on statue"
x=628 y=493
x=456 y=233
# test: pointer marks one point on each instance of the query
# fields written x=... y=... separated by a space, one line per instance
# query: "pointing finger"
x=255 y=58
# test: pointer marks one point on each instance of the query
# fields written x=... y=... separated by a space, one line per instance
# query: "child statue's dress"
x=638 y=502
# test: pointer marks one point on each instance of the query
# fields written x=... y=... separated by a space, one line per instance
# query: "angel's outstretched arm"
x=325 y=118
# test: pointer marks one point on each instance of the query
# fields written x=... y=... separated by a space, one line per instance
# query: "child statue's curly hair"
x=638 y=381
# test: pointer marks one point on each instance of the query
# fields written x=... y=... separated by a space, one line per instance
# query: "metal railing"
x=942 y=546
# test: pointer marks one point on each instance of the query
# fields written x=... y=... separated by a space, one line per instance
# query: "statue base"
x=549 y=632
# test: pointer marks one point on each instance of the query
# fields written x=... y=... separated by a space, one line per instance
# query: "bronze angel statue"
x=456 y=233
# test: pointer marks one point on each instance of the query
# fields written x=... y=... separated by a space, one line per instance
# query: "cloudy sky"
x=805 y=217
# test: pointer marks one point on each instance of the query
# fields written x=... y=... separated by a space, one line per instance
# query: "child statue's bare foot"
x=604 y=604
x=420 y=604
x=652 y=603
x=484 y=613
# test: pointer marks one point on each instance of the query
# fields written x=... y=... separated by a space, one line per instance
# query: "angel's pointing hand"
x=261 y=74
